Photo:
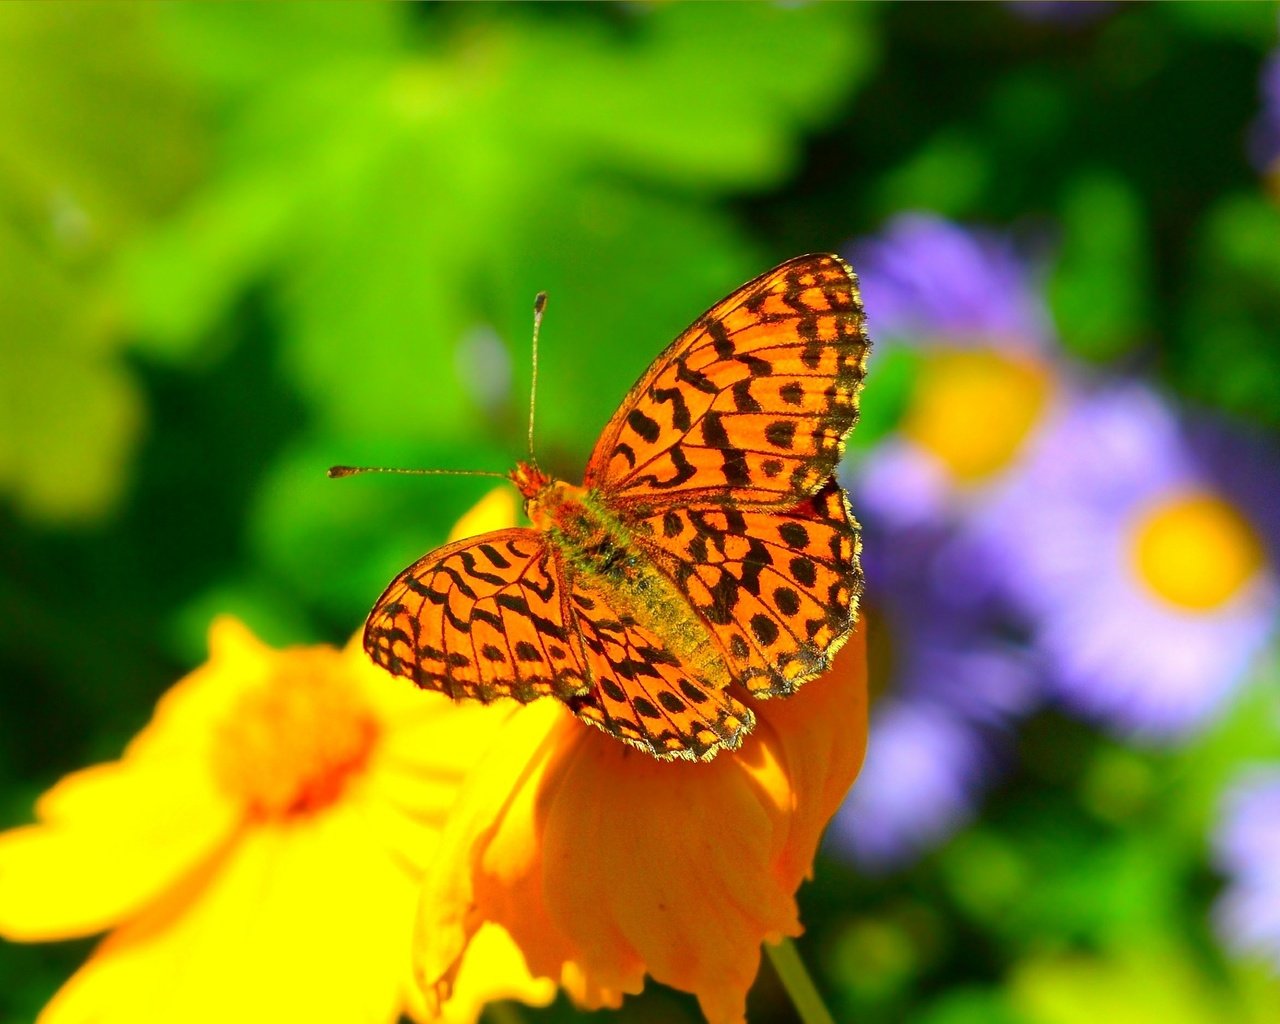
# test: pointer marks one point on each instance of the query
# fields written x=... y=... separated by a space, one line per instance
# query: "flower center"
x=1195 y=550
x=973 y=408
x=290 y=745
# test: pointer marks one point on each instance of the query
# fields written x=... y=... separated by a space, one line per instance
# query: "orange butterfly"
x=708 y=546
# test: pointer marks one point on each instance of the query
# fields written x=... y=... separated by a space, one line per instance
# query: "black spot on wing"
x=612 y=690
x=671 y=702
x=647 y=428
x=781 y=434
x=720 y=340
x=526 y=651
x=696 y=379
x=792 y=393
x=764 y=629
x=645 y=708
x=494 y=557
x=743 y=399
x=714 y=434
x=802 y=569
x=794 y=535
x=680 y=418
x=734 y=466
x=787 y=600
x=694 y=695
x=627 y=452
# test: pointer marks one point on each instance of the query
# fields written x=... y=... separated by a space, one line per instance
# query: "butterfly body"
x=709 y=553
x=600 y=556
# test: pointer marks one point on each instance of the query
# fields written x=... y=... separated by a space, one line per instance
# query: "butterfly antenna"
x=340 y=471
x=539 y=305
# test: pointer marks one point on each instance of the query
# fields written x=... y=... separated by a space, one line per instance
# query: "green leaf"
x=1225 y=349
x=1099 y=291
x=99 y=137
x=1151 y=983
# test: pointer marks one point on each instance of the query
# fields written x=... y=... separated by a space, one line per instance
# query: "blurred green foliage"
x=241 y=243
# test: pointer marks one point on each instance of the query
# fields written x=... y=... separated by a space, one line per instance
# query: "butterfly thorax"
x=599 y=552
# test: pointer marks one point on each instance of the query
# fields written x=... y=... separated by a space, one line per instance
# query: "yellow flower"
x=258 y=851
x=606 y=865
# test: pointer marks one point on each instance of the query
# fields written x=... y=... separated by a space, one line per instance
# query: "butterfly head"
x=548 y=503
x=529 y=479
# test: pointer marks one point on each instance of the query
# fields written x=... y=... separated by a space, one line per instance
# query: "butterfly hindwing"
x=480 y=618
x=749 y=406
x=645 y=695
x=778 y=590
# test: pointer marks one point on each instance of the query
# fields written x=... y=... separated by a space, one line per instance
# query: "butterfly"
x=709 y=550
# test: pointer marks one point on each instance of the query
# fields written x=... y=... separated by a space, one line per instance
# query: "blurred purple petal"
x=1065 y=13
x=951 y=688
x=1247 y=850
x=928 y=281
x=969 y=303
x=1265 y=137
x=1061 y=532
x=923 y=769
x=901 y=483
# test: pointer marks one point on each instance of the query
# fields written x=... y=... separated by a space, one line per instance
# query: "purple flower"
x=950 y=689
x=927 y=281
x=966 y=306
x=1265 y=140
x=1065 y=13
x=919 y=783
x=1247 y=851
x=1142 y=557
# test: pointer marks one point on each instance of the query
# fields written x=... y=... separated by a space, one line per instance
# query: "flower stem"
x=795 y=979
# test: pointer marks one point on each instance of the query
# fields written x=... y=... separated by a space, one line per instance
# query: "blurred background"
x=239 y=244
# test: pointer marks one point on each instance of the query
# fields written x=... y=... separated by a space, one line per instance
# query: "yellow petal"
x=604 y=864
x=492 y=969
x=495 y=511
x=305 y=922
x=224 y=914
x=238 y=661
x=143 y=828
x=114 y=837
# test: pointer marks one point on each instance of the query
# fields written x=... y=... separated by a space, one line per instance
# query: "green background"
x=239 y=244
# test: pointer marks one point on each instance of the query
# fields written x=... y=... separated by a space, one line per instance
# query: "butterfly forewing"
x=749 y=406
x=480 y=618
x=644 y=694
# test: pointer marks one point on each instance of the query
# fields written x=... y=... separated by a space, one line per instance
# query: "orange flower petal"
x=604 y=864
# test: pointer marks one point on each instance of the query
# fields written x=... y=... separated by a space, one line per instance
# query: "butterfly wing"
x=483 y=618
x=719 y=461
x=643 y=694
x=777 y=589
x=748 y=407
x=486 y=618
